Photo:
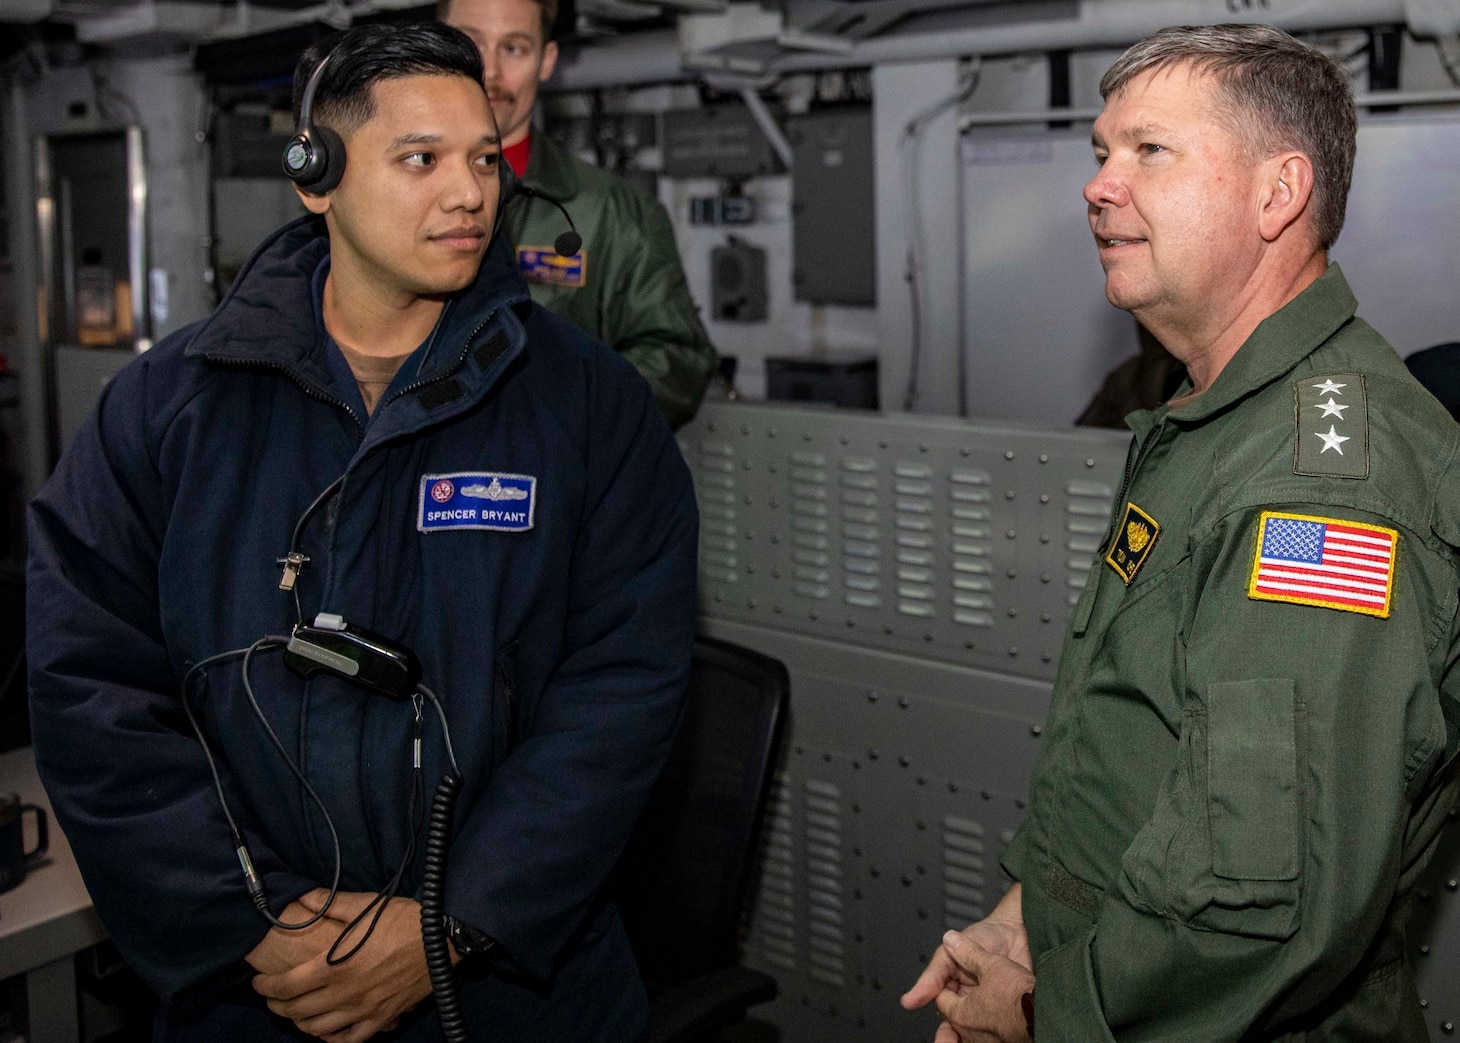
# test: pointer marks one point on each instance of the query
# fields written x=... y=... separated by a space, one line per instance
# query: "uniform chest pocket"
x=1252 y=779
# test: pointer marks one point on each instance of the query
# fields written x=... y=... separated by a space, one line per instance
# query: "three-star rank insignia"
x=1331 y=438
x=1134 y=538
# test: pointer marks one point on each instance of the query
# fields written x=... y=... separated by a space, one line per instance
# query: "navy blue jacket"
x=560 y=653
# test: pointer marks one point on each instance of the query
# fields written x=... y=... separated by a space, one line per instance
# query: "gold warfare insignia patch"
x=1133 y=542
x=1326 y=562
x=544 y=264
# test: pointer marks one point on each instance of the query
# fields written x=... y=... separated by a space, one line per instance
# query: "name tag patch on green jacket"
x=545 y=264
x=1326 y=562
x=1332 y=433
x=1133 y=542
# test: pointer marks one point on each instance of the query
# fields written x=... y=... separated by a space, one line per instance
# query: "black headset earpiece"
x=569 y=242
x=314 y=159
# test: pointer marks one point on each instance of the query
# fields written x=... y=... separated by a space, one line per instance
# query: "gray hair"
x=1273 y=93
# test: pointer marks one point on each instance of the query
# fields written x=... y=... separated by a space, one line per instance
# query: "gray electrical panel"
x=715 y=141
x=833 y=207
x=915 y=575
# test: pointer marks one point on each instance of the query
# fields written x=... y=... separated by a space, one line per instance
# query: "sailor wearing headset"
x=465 y=498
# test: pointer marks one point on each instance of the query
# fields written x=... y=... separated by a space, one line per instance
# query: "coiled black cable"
x=433 y=910
x=433 y=888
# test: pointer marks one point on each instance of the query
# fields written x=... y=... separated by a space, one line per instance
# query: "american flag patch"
x=1324 y=561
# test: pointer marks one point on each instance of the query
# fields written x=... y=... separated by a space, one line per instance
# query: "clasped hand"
x=977 y=977
x=352 y=1001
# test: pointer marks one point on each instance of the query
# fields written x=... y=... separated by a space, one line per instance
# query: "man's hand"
x=1001 y=933
x=985 y=1007
x=367 y=993
x=282 y=951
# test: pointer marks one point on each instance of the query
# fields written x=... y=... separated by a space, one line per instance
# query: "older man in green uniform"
x=625 y=285
x=1249 y=749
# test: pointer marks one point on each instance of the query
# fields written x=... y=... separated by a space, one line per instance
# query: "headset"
x=314 y=159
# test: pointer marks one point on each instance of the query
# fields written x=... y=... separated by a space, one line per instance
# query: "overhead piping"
x=1093 y=24
x=1043 y=25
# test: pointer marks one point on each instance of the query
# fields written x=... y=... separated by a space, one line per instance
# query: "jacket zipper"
x=294 y=378
x=314 y=392
x=1133 y=460
x=1132 y=465
x=448 y=371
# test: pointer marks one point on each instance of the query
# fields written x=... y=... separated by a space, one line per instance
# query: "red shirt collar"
x=517 y=155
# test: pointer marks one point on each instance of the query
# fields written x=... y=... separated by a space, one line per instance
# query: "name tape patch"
x=473 y=500
x=545 y=264
x=1133 y=542
x=1326 y=562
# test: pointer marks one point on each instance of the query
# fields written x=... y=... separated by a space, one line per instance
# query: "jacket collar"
x=1279 y=343
x=268 y=319
x=550 y=169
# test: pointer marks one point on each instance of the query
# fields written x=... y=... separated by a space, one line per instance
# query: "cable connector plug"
x=251 y=879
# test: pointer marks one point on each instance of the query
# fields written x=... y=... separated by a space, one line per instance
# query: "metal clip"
x=292 y=564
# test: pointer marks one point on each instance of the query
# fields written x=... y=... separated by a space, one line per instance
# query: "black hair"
x=367 y=54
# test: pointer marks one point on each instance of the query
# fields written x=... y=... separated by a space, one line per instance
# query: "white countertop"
x=49 y=915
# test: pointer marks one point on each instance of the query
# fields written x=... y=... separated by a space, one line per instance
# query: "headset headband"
x=306 y=106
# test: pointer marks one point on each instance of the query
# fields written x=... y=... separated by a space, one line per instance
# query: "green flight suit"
x=1235 y=795
x=629 y=290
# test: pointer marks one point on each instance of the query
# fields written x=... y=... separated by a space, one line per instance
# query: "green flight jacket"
x=629 y=290
x=1235 y=795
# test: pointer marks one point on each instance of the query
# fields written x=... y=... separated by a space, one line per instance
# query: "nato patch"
x=1133 y=542
x=1332 y=429
x=544 y=264
x=473 y=500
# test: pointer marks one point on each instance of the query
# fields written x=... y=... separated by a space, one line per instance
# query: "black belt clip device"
x=374 y=663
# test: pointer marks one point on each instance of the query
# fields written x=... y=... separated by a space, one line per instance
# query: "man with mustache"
x=1251 y=742
x=625 y=285
x=377 y=434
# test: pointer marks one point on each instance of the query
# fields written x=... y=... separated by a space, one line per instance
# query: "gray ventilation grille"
x=861 y=533
x=774 y=934
x=719 y=532
x=964 y=900
x=1087 y=517
x=930 y=537
x=825 y=901
x=971 y=547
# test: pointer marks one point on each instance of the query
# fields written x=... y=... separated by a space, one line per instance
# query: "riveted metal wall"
x=915 y=575
x=1434 y=939
x=928 y=537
